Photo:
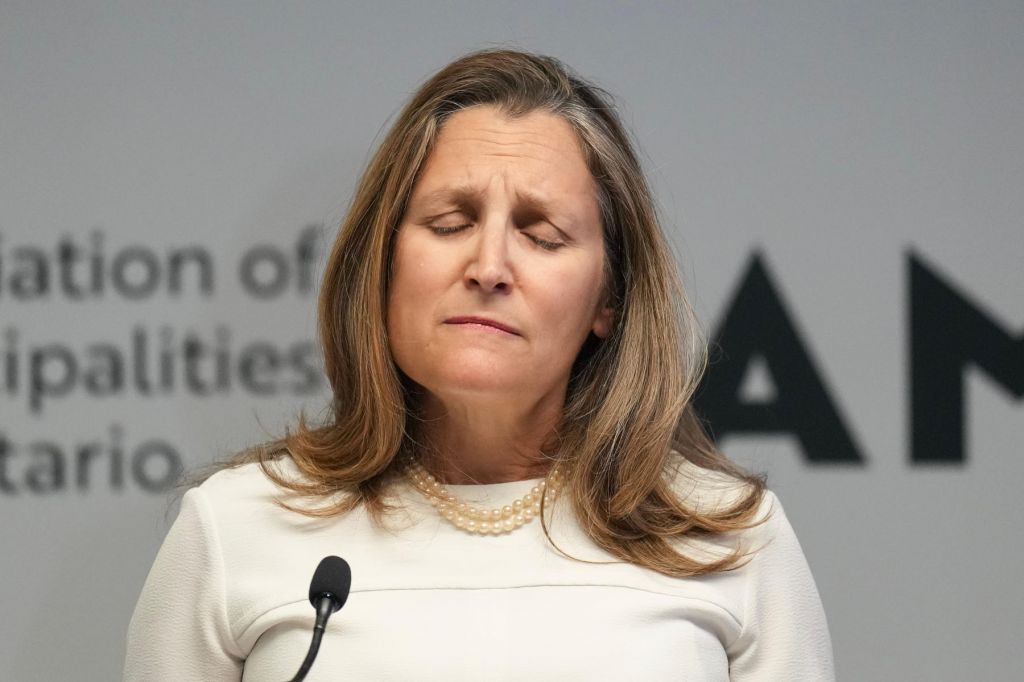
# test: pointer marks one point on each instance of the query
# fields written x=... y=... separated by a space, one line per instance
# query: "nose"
x=490 y=267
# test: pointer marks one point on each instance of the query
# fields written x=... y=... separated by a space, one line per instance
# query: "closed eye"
x=544 y=243
x=447 y=229
x=443 y=230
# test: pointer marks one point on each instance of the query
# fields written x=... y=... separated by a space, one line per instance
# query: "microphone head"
x=332 y=577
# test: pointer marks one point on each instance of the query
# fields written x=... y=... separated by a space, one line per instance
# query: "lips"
x=484 y=322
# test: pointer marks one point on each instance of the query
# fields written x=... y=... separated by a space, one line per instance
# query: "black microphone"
x=328 y=592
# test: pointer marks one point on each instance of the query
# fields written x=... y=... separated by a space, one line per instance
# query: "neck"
x=488 y=443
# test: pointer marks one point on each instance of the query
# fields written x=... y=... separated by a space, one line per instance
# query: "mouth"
x=483 y=322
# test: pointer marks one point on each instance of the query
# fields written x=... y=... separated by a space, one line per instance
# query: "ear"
x=603 y=322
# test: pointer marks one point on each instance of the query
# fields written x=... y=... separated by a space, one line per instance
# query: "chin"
x=463 y=376
x=476 y=384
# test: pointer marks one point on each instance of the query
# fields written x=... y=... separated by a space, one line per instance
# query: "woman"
x=512 y=466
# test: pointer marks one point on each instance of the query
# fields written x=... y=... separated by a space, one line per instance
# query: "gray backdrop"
x=832 y=139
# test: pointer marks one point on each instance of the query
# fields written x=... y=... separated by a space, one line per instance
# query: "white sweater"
x=226 y=598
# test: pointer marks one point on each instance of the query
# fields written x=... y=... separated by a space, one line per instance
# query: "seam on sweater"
x=206 y=510
x=771 y=519
x=715 y=605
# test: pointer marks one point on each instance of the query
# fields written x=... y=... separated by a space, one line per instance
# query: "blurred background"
x=841 y=183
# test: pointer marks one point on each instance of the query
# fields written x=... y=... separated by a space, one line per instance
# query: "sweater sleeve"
x=180 y=629
x=785 y=635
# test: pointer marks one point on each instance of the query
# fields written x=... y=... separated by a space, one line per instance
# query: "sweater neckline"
x=492 y=494
x=496 y=487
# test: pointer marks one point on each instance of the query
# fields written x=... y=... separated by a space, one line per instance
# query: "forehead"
x=535 y=155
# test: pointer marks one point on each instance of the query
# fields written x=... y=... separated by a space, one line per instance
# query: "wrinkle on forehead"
x=540 y=137
x=476 y=123
x=518 y=138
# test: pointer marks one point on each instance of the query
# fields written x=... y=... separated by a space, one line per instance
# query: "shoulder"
x=784 y=632
x=247 y=480
x=245 y=496
x=755 y=512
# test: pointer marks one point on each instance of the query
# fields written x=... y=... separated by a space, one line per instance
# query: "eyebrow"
x=526 y=201
x=458 y=194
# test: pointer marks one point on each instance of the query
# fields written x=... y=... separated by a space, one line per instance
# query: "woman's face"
x=498 y=271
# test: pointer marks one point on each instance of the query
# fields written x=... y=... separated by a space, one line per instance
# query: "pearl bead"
x=495 y=521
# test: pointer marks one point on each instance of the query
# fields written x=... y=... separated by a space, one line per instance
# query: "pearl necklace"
x=484 y=521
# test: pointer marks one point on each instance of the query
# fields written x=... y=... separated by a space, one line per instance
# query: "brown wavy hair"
x=628 y=420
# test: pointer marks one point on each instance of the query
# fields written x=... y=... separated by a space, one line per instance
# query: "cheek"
x=401 y=288
x=573 y=300
x=417 y=282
